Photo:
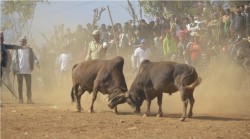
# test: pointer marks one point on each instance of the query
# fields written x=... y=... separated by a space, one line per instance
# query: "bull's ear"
x=126 y=95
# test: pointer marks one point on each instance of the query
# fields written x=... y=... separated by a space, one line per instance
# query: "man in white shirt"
x=141 y=53
x=24 y=58
x=65 y=64
x=193 y=26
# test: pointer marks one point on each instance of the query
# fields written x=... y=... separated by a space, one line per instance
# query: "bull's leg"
x=91 y=110
x=78 y=98
x=148 y=108
x=185 y=103
x=148 y=103
x=72 y=95
x=159 y=101
x=191 y=100
x=115 y=110
x=79 y=94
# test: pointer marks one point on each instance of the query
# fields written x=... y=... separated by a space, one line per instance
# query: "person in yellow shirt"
x=169 y=46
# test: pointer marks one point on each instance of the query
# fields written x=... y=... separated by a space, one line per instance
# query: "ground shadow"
x=151 y=115
x=178 y=115
x=128 y=113
x=216 y=118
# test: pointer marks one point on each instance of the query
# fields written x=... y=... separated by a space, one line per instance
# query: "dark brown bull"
x=105 y=76
x=153 y=79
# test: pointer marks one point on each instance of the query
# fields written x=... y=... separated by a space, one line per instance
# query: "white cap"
x=24 y=38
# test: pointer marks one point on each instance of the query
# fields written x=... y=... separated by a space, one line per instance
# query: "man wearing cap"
x=96 y=50
x=24 y=60
x=141 y=53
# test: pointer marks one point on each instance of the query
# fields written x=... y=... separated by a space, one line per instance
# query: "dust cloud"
x=223 y=90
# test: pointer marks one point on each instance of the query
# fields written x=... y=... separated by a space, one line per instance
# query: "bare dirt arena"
x=221 y=110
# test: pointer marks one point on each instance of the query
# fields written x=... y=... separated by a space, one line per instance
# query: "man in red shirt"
x=194 y=50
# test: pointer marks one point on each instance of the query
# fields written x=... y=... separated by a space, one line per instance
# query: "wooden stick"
x=117 y=51
x=11 y=91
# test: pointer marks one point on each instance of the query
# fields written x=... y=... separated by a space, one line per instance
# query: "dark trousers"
x=27 y=78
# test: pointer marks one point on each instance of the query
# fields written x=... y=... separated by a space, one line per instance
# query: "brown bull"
x=153 y=79
x=105 y=76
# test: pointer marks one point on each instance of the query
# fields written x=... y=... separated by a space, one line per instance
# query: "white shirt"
x=123 y=40
x=24 y=63
x=65 y=59
x=194 y=28
x=141 y=55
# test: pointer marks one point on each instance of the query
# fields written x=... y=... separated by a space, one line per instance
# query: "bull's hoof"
x=190 y=115
x=159 y=115
x=79 y=109
x=182 y=119
x=145 y=115
x=115 y=111
x=91 y=111
x=137 y=110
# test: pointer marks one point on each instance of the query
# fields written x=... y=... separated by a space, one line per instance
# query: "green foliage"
x=17 y=16
x=167 y=8
x=180 y=8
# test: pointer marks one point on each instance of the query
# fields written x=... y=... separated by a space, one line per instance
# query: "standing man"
x=96 y=49
x=65 y=65
x=5 y=58
x=24 y=59
x=4 y=52
x=141 y=53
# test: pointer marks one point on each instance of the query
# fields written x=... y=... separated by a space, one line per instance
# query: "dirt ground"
x=221 y=110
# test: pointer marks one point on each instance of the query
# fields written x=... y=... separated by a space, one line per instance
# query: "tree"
x=167 y=8
x=17 y=17
x=182 y=8
x=131 y=11
x=97 y=15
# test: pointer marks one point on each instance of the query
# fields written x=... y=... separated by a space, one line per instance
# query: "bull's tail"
x=193 y=84
x=72 y=95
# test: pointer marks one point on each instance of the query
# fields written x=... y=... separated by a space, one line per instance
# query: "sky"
x=73 y=13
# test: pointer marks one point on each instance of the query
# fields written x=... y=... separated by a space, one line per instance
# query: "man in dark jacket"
x=4 y=52
x=247 y=17
x=239 y=23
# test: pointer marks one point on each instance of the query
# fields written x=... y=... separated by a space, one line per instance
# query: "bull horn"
x=126 y=95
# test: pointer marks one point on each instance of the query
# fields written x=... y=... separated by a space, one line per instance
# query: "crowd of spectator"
x=189 y=39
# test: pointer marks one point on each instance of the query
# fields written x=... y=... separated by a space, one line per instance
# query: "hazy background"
x=222 y=90
x=73 y=13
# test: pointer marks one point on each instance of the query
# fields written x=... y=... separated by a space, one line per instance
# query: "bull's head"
x=116 y=99
x=133 y=99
